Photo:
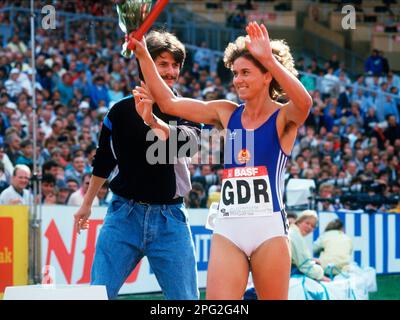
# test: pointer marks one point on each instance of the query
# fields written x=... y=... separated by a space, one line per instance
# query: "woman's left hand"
x=259 y=44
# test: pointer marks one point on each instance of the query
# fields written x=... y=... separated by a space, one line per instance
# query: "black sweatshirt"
x=123 y=147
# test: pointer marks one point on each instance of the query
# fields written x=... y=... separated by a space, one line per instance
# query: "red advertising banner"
x=13 y=246
x=6 y=251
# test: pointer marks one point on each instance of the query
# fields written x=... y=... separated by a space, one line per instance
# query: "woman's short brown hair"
x=280 y=50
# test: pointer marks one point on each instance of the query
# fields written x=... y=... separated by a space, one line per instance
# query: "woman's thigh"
x=270 y=267
x=228 y=270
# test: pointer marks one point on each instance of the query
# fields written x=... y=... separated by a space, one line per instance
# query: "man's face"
x=21 y=179
x=79 y=164
x=46 y=115
x=28 y=151
x=62 y=196
x=352 y=168
x=53 y=171
x=72 y=185
x=392 y=121
x=306 y=154
x=86 y=134
x=67 y=79
x=300 y=160
x=102 y=192
x=168 y=68
x=294 y=170
x=327 y=146
x=57 y=127
x=326 y=193
x=47 y=188
x=205 y=170
x=369 y=166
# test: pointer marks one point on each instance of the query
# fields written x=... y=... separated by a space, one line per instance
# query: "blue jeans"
x=161 y=232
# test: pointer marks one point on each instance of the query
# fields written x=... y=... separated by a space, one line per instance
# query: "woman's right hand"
x=139 y=48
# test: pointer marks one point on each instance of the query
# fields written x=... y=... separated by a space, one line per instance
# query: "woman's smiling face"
x=248 y=79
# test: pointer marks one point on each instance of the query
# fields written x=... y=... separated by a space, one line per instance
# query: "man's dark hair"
x=49 y=164
x=159 y=41
x=25 y=143
x=49 y=178
x=49 y=140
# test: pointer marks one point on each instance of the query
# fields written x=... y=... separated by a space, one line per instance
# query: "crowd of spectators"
x=350 y=143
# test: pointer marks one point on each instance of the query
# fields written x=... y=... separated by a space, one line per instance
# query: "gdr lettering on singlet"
x=246 y=192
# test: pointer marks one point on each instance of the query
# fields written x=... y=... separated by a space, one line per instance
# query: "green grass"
x=388 y=289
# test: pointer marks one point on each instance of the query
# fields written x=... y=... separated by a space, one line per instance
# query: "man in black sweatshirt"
x=146 y=216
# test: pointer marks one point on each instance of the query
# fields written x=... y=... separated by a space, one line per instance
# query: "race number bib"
x=246 y=192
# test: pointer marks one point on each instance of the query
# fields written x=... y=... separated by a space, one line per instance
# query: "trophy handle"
x=147 y=23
